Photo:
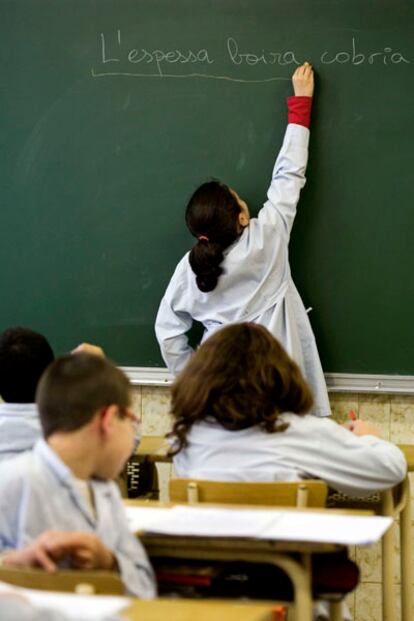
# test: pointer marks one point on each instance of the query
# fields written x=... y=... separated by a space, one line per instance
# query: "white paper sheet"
x=73 y=606
x=145 y=518
x=329 y=528
x=321 y=527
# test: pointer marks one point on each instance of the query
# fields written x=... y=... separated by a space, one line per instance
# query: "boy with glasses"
x=64 y=485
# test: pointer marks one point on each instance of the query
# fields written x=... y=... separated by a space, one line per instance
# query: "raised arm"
x=288 y=176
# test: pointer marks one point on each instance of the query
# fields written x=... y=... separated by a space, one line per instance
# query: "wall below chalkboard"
x=113 y=111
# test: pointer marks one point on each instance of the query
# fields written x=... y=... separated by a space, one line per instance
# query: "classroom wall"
x=394 y=415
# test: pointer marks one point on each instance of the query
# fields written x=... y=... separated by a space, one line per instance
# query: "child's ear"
x=106 y=418
x=243 y=219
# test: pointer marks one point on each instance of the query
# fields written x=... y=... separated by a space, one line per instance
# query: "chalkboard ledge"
x=388 y=384
x=336 y=382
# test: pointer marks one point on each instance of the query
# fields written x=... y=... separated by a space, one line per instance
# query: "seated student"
x=240 y=408
x=24 y=356
x=64 y=483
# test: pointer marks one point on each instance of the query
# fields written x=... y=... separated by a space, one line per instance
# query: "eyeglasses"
x=127 y=413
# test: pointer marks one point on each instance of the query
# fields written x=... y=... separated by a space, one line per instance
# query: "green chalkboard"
x=113 y=111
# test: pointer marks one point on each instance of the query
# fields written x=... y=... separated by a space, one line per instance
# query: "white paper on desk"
x=145 y=518
x=181 y=520
x=271 y=524
x=204 y=523
x=74 y=606
x=328 y=528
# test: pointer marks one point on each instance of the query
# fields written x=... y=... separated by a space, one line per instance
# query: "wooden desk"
x=408 y=450
x=153 y=449
x=199 y=610
x=393 y=503
x=274 y=552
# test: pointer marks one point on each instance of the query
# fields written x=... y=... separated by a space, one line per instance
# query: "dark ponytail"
x=213 y=215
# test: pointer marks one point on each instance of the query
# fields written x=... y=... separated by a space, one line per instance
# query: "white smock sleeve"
x=353 y=465
x=288 y=179
x=171 y=326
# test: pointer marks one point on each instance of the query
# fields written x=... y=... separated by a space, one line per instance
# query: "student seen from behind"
x=238 y=270
x=24 y=356
x=241 y=414
x=65 y=483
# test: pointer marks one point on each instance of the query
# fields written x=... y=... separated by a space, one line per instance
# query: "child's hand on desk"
x=85 y=551
x=302 y=80
x=362 y=428
x=33 y=555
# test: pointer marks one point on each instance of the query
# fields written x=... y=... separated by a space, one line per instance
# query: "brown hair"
x=241 y=377
x=74 y=387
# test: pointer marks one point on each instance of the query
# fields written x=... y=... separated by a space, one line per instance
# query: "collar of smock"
x=53 y=461
x=19 y=409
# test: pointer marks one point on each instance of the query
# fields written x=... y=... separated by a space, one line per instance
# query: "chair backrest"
x=86 y=582
x=310 y=493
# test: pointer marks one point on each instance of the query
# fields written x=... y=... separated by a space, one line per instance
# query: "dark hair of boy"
x=24 y=355
x=241 y=377
x=212 y=214
x=75 y=387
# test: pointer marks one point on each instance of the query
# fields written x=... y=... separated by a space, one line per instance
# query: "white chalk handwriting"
x=386 y=56
x=116 y=58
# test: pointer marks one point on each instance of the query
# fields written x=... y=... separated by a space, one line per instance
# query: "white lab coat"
x=256 y=284
x=310 y=447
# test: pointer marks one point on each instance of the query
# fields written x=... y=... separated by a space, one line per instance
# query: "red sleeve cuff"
x=299 y=110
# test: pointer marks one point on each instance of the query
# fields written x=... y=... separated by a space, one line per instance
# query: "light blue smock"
x=19 y=428
x=256 y=284
x=38 y=492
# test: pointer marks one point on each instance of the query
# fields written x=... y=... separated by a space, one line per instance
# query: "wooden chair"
x=86 y=582
x=309 y=493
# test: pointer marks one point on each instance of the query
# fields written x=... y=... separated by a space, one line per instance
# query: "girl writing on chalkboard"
x=239 y=268
x=240 y=414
